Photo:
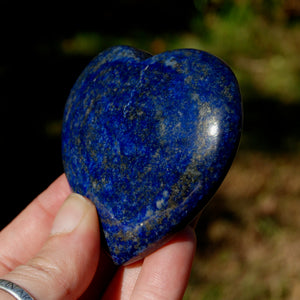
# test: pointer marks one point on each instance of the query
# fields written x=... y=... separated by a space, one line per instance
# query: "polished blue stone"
x=149 y=139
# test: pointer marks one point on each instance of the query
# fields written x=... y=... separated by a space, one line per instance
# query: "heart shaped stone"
x=149 y=139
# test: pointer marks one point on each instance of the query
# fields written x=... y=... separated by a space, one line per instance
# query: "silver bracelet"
x=14 y=290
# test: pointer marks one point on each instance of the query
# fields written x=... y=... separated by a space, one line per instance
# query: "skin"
x=53 y=250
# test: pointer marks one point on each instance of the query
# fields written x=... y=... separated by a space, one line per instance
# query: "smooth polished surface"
x=149 y=139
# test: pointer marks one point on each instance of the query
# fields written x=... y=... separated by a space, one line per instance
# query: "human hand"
x=52 y=250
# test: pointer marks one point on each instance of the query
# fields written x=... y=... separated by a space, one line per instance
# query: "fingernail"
x=70 y=214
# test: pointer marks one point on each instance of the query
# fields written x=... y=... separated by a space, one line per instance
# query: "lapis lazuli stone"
x=149 y=139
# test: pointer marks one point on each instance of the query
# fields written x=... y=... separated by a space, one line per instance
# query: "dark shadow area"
x=33 y=95
x=36 y=77
x=271 y=126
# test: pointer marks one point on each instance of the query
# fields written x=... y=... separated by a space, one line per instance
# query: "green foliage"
x=254 y=37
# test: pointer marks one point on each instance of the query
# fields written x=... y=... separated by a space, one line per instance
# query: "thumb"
x=66 y=264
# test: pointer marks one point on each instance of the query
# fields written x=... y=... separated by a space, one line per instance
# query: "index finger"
x=24 y=236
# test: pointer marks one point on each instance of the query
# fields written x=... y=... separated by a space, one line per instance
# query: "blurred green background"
x=248 y=237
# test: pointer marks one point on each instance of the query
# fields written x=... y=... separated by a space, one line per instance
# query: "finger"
x=104 y=274
x=66 y=264
x=123 y=283
x=165 y=273
x=25 y=235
